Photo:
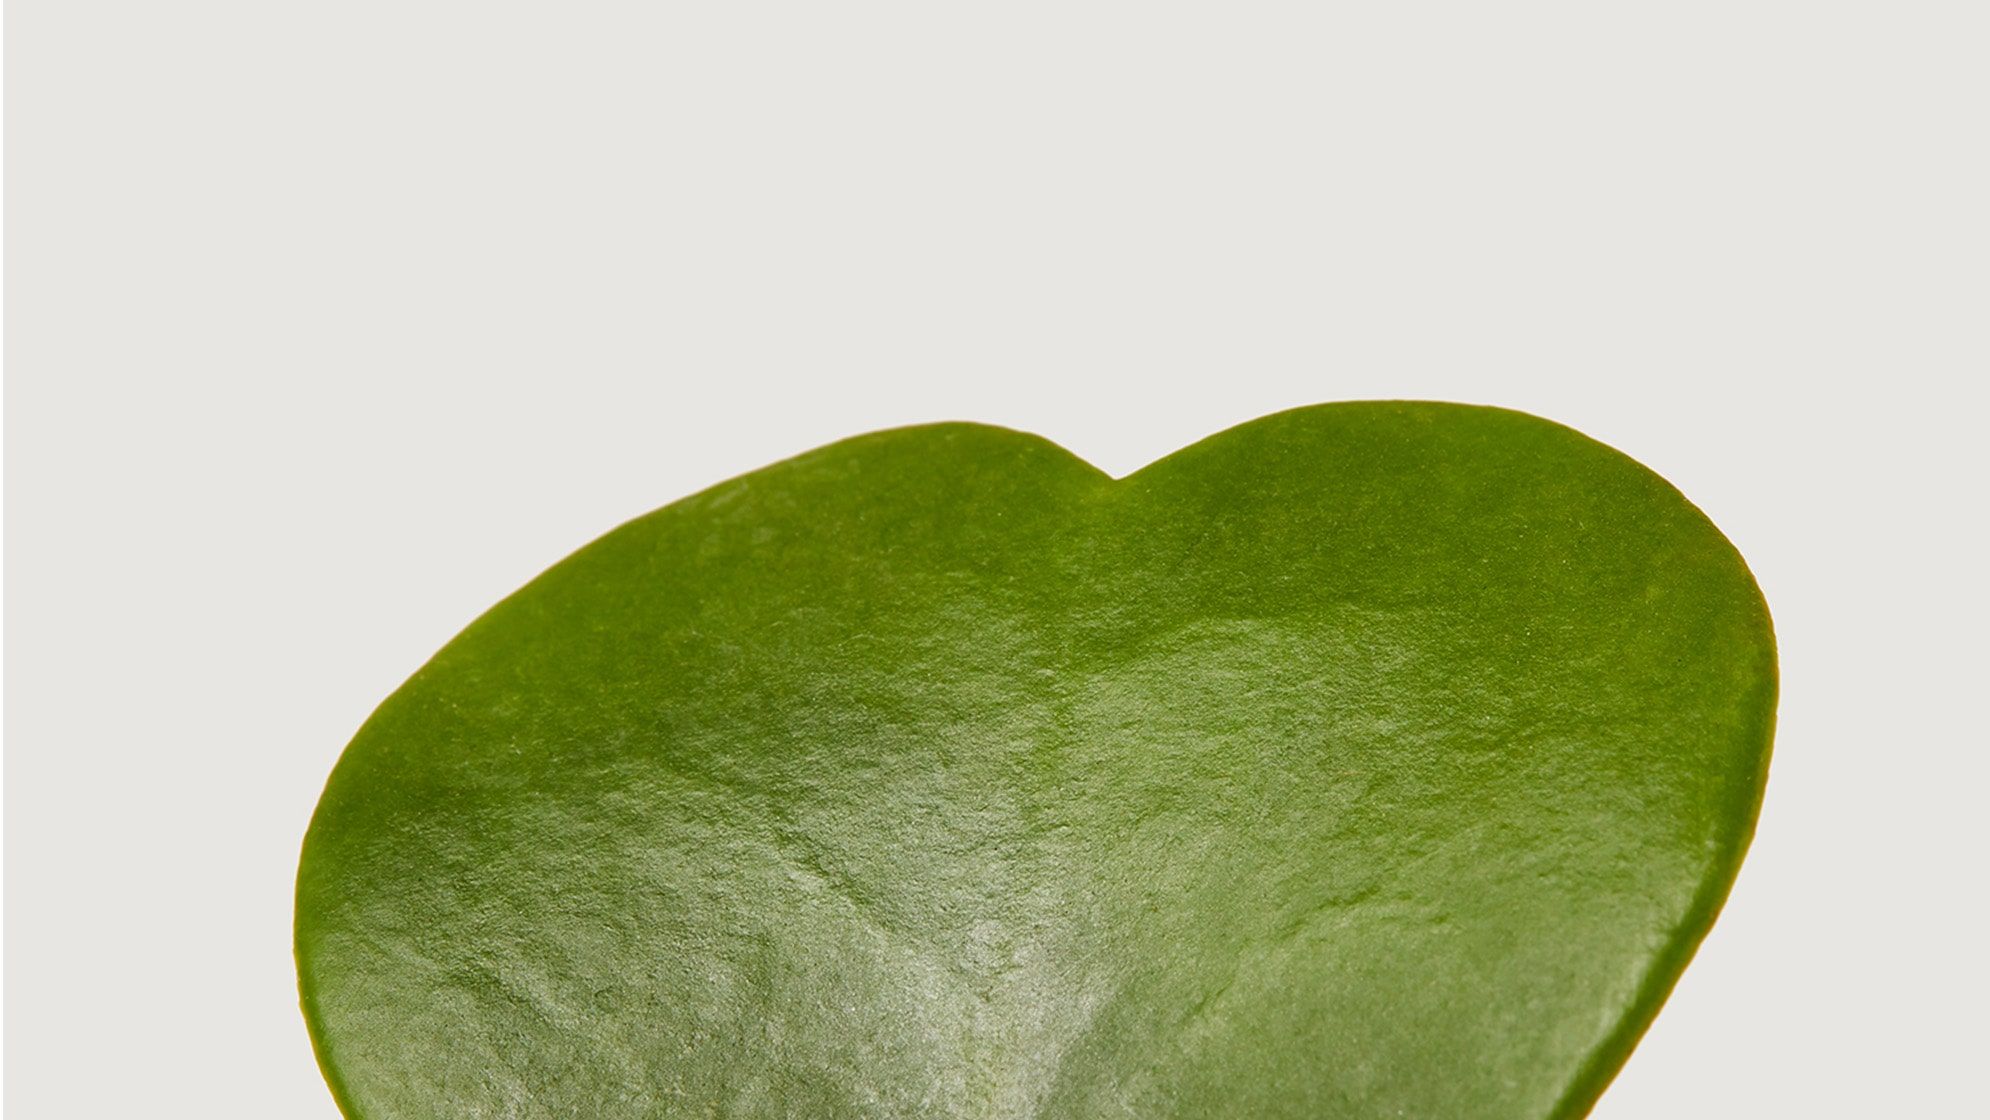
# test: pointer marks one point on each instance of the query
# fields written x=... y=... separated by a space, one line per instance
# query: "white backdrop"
x=330 y=324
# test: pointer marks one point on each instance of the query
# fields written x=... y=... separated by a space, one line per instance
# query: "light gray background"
x=331 y=323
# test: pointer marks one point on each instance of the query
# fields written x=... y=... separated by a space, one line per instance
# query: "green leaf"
x=1366 y=760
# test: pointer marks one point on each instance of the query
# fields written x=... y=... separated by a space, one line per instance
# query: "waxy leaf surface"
x=1366 y=760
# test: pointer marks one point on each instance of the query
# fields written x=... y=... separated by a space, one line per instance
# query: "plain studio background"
x=332 y=323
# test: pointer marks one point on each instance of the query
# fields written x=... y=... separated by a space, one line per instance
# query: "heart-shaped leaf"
x=1366 y=760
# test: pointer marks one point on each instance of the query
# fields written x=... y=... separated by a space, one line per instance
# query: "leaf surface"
x=1365 y=760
